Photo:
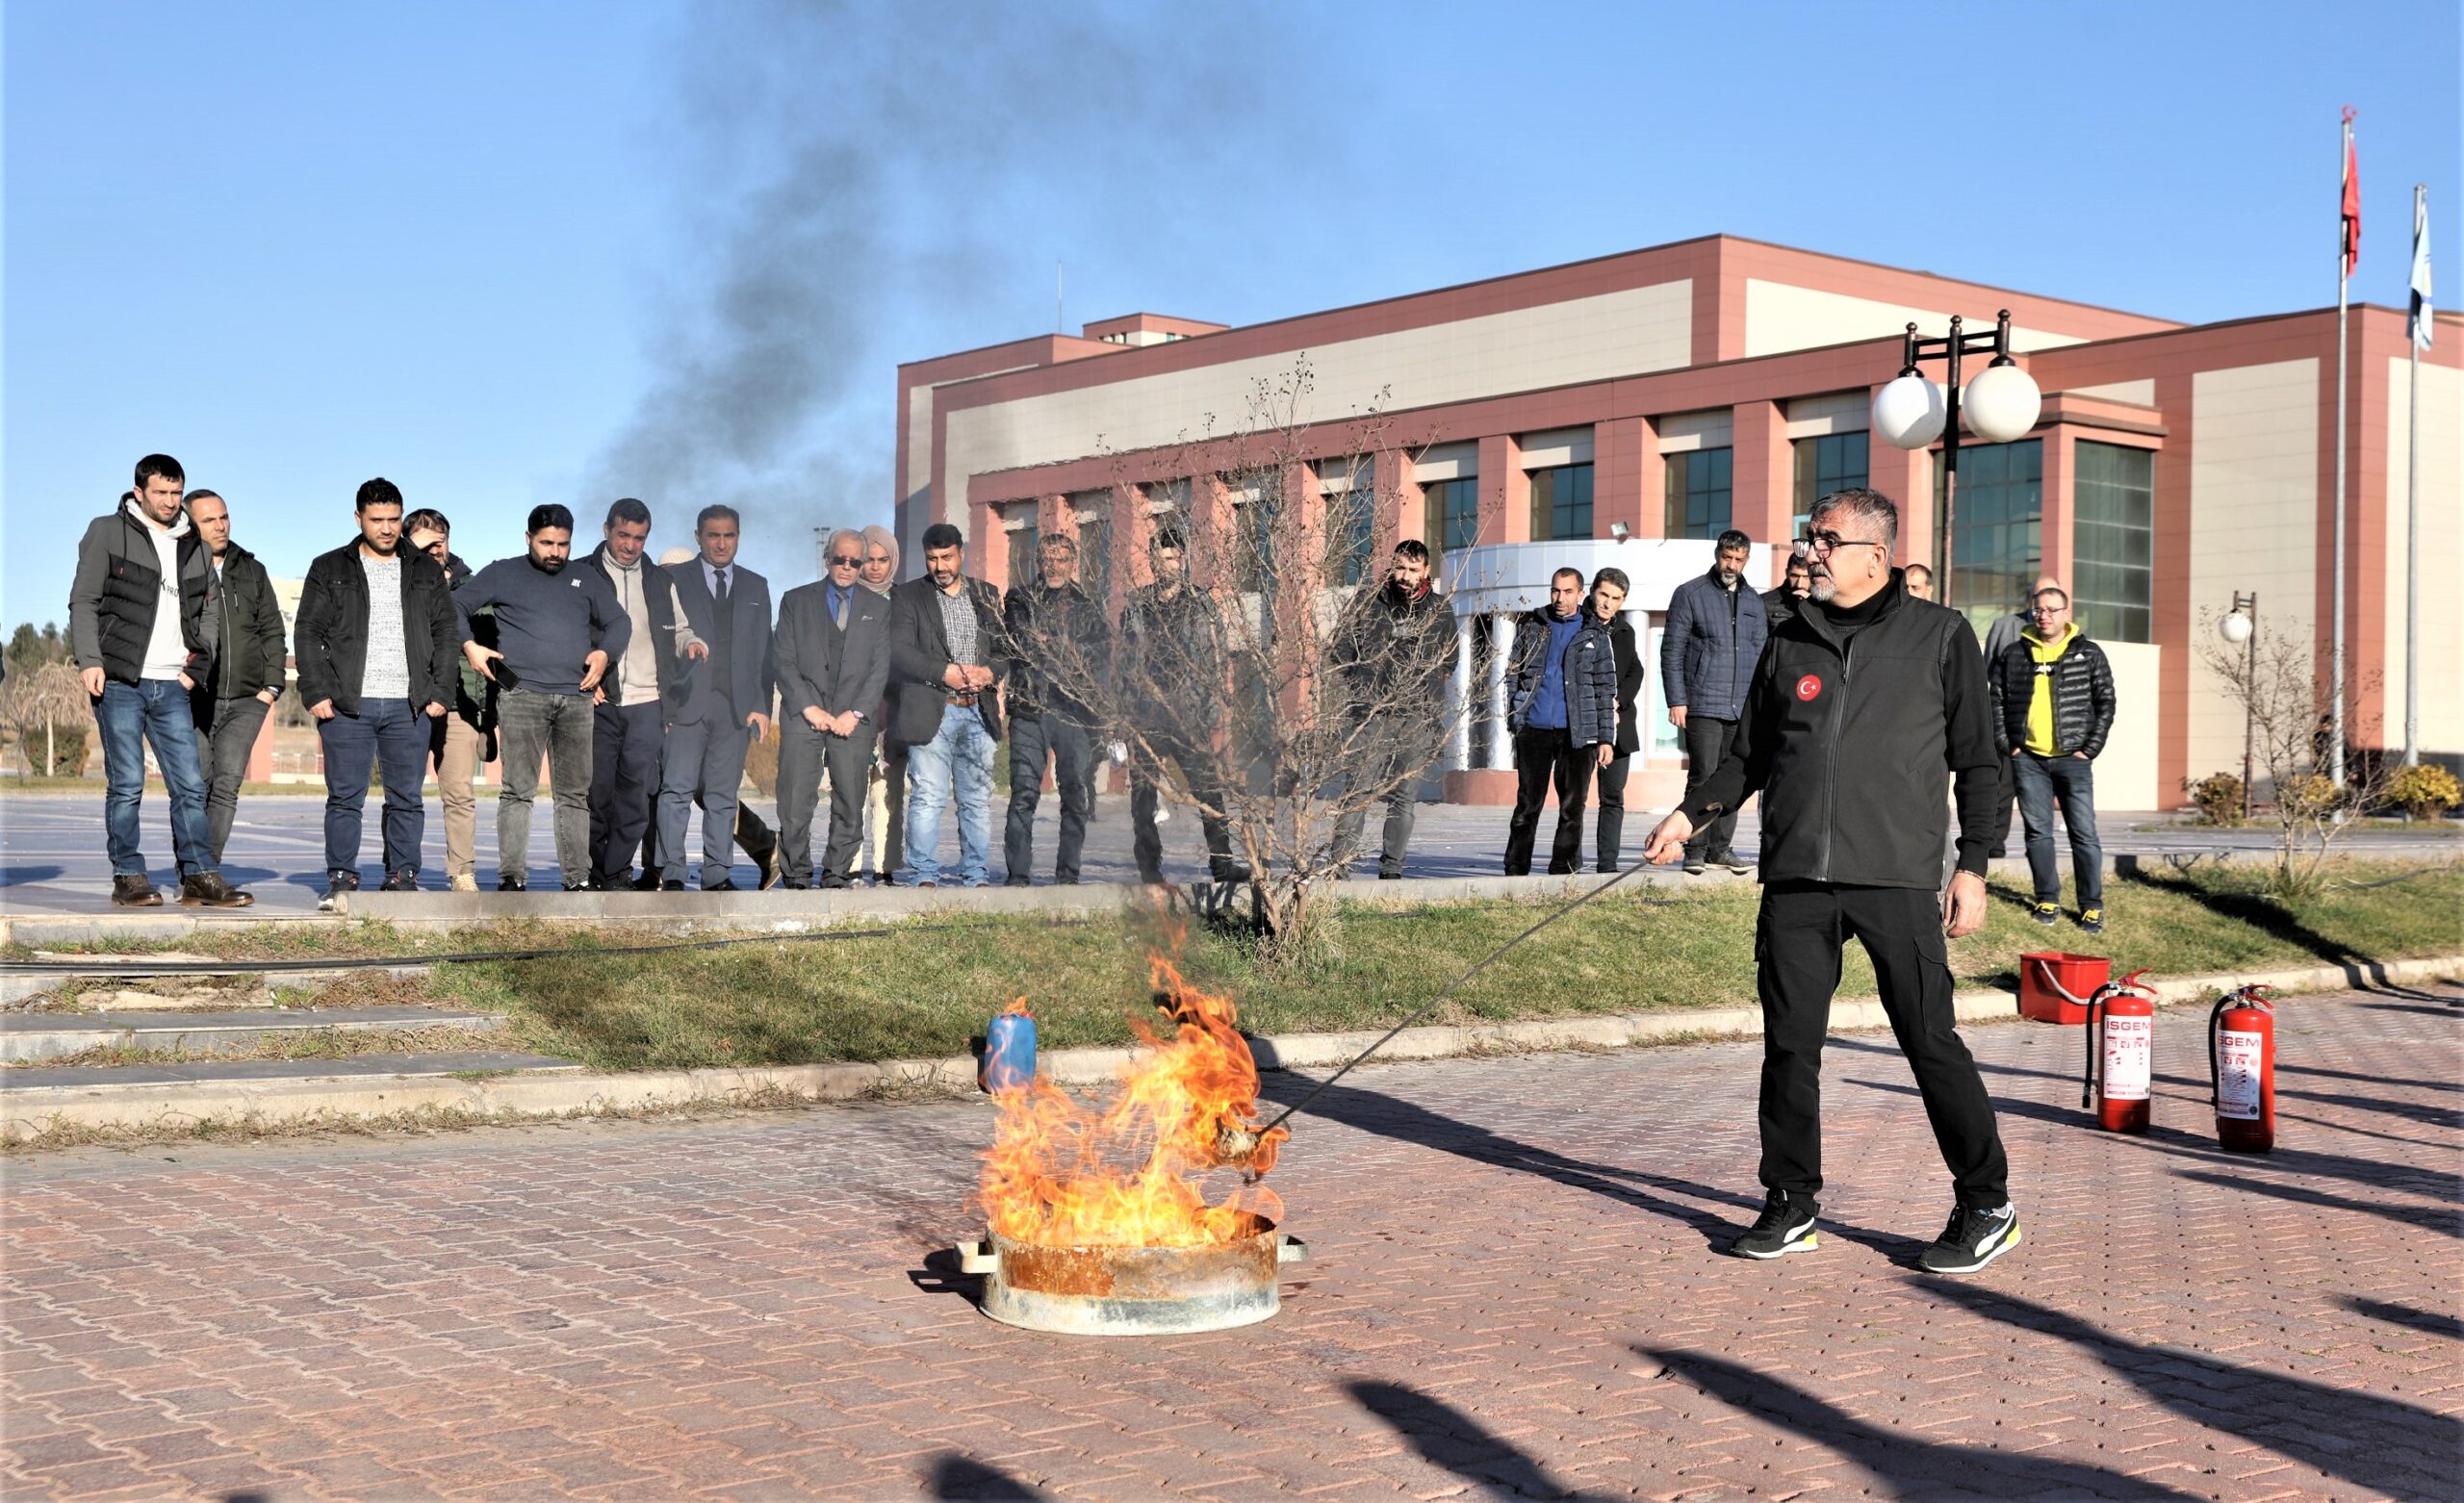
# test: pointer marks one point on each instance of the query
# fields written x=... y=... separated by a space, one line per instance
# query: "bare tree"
x=1280 y=689
x=2273 y=680
x=39 y=700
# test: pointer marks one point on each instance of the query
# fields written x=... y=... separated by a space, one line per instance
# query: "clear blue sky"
x=511 y=253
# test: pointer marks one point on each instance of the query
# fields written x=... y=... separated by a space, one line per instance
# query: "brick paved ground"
x=1511 y=1291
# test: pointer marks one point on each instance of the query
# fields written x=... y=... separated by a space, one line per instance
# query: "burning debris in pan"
x=1100 y=1218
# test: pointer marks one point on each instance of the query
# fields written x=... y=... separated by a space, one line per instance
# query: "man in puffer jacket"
x=143 y=631
x=2053 y=703
x=1716 y=628
x=1562 y=679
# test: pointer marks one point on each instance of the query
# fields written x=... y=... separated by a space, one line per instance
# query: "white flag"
x=2421 y=271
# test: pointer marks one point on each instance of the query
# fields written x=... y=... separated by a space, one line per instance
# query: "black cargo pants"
x=1797 y=944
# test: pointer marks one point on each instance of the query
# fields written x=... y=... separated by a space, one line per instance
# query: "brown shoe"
x=133 y=891
x=208 y=890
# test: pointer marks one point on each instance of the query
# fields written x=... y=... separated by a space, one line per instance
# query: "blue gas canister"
x=1008 y=1049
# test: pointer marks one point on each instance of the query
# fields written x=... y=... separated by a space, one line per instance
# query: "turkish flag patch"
x=1808 y=686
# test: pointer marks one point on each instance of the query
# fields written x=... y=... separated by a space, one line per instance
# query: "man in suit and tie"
x=833 y=661
x=945 y=639
x=726 y=705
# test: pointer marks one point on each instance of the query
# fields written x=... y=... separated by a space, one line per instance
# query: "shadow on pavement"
x=2380 y=1444
x=2434 y=1322
x=1904 y=1463
x=2367 y=1080
x=2419 y=1218
x=940 y=1275
x=1445 y=1437
x=1388 y=1117
x=955 y=1476
x=2378 y=1174
x=20 y=876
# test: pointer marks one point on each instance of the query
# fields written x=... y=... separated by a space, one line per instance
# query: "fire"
x=1063 y=1174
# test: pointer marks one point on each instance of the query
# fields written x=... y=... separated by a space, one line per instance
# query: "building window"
x=1351 y=529
x=2113 y=533
x=1698 y=492
x=2000 y=548
x=1561 y=503
x=1021 y=522
x=1831 y=462
x=1453 y=517
x=1251 y=566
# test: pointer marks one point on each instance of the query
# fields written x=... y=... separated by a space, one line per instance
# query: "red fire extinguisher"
x=2241 y=1069
x=2122 y=1050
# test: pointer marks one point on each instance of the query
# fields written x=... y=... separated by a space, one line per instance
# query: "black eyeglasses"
x=1825 y=542
x=842 y=560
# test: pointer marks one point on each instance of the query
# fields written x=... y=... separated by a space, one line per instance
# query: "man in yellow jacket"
x=2053 y=701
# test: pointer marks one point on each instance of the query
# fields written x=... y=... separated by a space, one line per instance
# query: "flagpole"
x=2336 y=640
x=2413 y=520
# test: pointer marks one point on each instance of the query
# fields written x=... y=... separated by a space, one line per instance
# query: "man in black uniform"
x=1172 y=657
x=1869 y=680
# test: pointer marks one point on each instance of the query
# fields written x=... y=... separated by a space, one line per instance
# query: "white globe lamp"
x=2235 y=627
x=2001 y=404
x=1910 y=411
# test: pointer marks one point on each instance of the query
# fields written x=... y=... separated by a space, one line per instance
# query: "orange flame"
x=1063 y=1174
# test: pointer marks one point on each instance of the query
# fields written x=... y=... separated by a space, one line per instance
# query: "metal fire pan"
x=1133 y=1290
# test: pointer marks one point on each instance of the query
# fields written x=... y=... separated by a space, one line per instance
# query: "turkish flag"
x=2352 y=205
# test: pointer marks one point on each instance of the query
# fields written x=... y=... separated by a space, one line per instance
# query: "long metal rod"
x=2413 y=527
x=2336 y=639
x=1456 y=986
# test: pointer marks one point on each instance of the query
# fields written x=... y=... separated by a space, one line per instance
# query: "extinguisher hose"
x=2088 y=1080
x=2215 y=1062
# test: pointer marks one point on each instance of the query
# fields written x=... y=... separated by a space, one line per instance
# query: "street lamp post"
x=2000 y=405
x=2242 y=625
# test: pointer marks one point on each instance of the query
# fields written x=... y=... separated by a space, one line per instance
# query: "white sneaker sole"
x=1808 y=1241
x=1987 y=1255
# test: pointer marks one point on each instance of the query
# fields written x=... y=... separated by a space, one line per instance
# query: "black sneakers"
x=339 y=886
x=1786 y=1226
x=1972 y=1239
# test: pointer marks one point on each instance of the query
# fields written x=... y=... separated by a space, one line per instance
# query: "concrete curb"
x=307 y=1102
x=685 y=913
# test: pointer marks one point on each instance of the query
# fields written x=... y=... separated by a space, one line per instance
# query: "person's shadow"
x=1445 y=1437
x=1903 y=1462
x=1389 y=1116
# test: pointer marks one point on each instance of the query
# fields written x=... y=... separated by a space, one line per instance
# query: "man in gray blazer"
x=834 y=662
x=725 y=703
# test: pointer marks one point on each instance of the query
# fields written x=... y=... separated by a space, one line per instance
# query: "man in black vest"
x=1865 y=704
x=1057 y=637
x=143 y=631
x=833 y=661
x=726 y=704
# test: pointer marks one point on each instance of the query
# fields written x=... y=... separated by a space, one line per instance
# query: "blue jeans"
x=2039 y=780
x=128 y=715
x=386 y=731
x=959 y=752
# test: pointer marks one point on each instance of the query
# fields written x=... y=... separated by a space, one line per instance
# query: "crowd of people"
x=641 y=687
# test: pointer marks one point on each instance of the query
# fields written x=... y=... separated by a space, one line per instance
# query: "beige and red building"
x=1624 y=410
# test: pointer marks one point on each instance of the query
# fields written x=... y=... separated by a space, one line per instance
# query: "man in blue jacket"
x=1716 y=628
x=1562 y=684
